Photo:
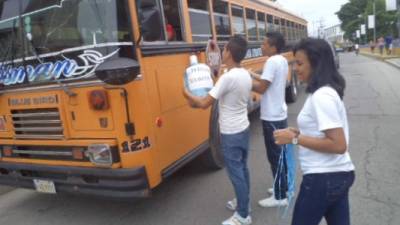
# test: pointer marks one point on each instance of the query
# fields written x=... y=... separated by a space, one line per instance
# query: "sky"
x=314 y=11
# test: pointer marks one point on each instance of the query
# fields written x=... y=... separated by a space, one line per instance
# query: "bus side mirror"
x=118 y=71
x=150 y=20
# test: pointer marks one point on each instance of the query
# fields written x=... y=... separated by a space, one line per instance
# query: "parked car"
x=339 y=49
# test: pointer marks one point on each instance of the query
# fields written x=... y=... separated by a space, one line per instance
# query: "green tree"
x=355 y=13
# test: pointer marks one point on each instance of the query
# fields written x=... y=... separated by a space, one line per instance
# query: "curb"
x=393 y=64
x=373 y=56
x=383 y=59
x=6 y=189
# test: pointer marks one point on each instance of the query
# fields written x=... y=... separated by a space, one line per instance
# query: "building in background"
x=334 y=34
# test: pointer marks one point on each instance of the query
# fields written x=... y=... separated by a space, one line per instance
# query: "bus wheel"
x=292 y=90
x=212 y=157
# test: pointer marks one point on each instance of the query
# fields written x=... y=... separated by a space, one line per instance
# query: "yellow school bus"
x=91 y=90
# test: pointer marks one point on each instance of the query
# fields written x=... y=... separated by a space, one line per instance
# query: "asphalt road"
x=196 y=196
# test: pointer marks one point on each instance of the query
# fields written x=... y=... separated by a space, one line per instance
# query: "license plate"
x=45 y=186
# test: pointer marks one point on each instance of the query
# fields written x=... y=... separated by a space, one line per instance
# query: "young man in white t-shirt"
x=272 y=84
x=232 y=91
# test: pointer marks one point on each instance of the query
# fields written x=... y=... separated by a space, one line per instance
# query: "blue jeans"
x=273 y=153
x=235 y=149
x=324 y=195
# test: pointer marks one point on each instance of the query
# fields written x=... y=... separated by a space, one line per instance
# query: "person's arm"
x=254 y=75
x=262 y=82
x=325 y=110
x=198 y=102
x=334 y=141
x=260 y=86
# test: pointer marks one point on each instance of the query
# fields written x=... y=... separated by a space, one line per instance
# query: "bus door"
x=178 y=128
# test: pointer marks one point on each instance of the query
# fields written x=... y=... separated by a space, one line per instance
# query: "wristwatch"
x=295 y=140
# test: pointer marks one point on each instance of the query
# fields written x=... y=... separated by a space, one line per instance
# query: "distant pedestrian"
x=388 y=42
x=357 y=48
x=372 y=46
x=381 y=44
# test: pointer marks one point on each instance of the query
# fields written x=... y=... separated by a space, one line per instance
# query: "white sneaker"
x=271 y=191
x=232 y=205
x=236 y=219
x=272 y=202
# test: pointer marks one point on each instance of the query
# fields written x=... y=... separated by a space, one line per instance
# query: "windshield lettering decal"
x=59 y=70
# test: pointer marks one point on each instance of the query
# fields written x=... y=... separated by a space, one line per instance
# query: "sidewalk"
x=393 y=60
x=5 y=189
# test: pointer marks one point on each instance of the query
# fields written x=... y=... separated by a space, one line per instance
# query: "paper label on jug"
x=199 y=77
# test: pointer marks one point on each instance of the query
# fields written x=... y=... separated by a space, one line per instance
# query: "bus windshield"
x=34 y=32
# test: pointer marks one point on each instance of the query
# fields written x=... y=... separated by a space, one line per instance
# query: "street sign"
x=363 y=30
x=371 y=21
x=391 y=5
x=358 y=34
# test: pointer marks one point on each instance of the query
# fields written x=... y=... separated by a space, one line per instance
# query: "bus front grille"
x=37 y=124
x=45 y=152
x=64 y=153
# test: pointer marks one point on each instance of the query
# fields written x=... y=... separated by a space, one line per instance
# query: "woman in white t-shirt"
x=323 y=138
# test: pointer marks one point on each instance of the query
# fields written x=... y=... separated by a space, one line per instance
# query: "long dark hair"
x=323 y=67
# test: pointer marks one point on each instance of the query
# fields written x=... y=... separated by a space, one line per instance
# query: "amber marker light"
x=7 y=151
x=98 y=100
x=77 y=153
x=159 y=122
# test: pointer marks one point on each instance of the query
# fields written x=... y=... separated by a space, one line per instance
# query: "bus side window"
x=162 y=15
x=270 y=23
x=277 y=26
x=251 y=25
x=200 y=20
x=221 y=18
x=173 y=23
x=261 y=26
x=151 y=27
x=283 y=28
x=238 y=20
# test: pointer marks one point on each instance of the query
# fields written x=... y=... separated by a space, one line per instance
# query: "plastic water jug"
x=198 y=78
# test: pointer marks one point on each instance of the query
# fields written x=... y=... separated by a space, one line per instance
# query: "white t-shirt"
x=273 y=104
x=323 y=110
x=233 y=90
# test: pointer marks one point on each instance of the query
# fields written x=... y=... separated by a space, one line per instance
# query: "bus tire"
x=292 y=90
x=212 y=158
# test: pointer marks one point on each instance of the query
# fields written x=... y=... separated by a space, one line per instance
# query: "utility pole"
x=320 y=28
x=398 y=17
x=373 y=8
x=366 y=29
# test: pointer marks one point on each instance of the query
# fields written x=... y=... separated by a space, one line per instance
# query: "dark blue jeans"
x=235 y=148
x=324 y=195
x=273 y=154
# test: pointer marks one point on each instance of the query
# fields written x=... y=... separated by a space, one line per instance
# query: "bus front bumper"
x=110 y=183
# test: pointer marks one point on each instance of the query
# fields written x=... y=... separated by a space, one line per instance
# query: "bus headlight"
x=100 y=154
